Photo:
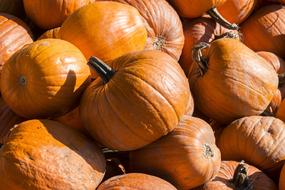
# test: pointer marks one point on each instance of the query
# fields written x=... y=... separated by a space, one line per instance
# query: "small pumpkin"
x=14 y=35
x=52 y=13
x=187 y=157
x=44 y=154
x=106 y=37
x=13 y=7
x=52 y=33
x=136 y=181
x=265 y=30
x=257 y=140
x=233 y=175
x=141 y=98
x=44 y=79
x=226 y=84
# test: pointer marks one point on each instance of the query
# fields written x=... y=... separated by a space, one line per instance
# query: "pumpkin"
x=7 y=121
x=44 y=154
x=106 y=37
x=256 y=139
x=196 y=8
x=163 y=26
x=52 y=33
x=187 y=157
x=274 y=104
x=237 y=11
x=233 y=175
x=14 y=35
x=281 y=179
x=203 y=29
x=44 y=79
x=136 y=102
x=136 y=181
x=265 y=30
x=13 y=7
x=281 y=111
x=52 y=13
x=226 y=84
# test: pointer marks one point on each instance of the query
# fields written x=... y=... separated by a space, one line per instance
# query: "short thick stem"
x=213 y=12
x=103 y=70
x=240 y=179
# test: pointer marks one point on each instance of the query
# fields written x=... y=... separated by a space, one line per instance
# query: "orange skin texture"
x=181 y=156
x=282 y=179
x=52 y=13
x=13 y=7
x=104 y=36
x=163 y=25
x=7 y=121
x=14 y=35
x=265 y=30
x=153 y=82
x=281 y=111
x=222 y=181
x=194 y=8
x=237 y=11
x=52 y=33
x=136 y=181
x=232 y=86
x=55 y=73
x=257 y=140
x=44 y=154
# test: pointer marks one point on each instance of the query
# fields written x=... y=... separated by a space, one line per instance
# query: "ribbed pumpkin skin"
x=52 y=13
x=52 y=33
x=136 y=181
x=194 y=8
x=222 y=181
x=13 y=7
x=163 y=25
x=265 y=30
x=44 y=79
x=257 y=140
x=276 y=61
x=143 y=101
x=232 y=87
x=115 y=29
x=43 y=154
x=7 y=121
x=181 y=156
x=13 y=36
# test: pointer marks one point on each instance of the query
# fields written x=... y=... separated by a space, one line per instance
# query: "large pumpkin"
x=52 y=13
x=257 y=140
x=13 y=36
x=136 y=102
x=187 y=156
x=44 y=79
x=233 y=176
x=52 y=33
x=106 y=30
x=13 y=7
x=227 y=86
x=43 y=154
x=265 y=30
x=136 y=181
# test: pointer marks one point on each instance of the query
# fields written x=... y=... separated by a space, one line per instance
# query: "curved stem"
x=197 y=55
x=103 y=70
x=240 y=179
x=213 y=12
x=230 y=34
x=281 y=78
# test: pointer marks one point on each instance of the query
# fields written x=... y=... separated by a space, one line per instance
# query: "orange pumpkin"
x=13 y=7
x=234 y=175
x=106 y=37
x=257 y=140
x=226 y=85
x=52 y=13
x=187 y=156
x=43 y=154
x=44 y=79
x=282 y=179
x=52 y=33
x=281 y=111
x=136 y=102
x=265 y=30
x=136 y=181
x=13 y=36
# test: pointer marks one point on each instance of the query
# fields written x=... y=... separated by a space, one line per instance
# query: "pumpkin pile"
x=142 y=94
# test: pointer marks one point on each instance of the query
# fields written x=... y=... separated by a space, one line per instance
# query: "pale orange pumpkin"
x=52 y=33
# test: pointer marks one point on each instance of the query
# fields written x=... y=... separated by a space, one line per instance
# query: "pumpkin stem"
x=214 y=13
x=240 y=179
x=104 y=70
x=281 y=78
x=230 y=34
x=197 y=55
